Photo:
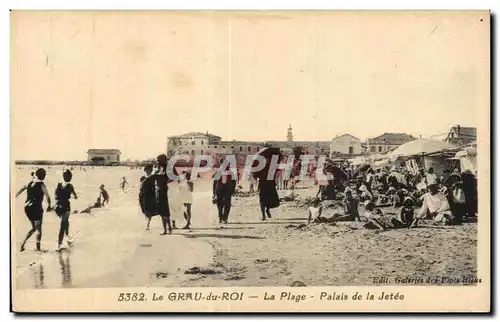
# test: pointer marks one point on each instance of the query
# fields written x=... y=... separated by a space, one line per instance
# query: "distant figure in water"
x=104 y=195
x=33 y=208
x=64 y=191
x=124 y=182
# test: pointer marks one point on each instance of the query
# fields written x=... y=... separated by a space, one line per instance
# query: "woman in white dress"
x=186 y=197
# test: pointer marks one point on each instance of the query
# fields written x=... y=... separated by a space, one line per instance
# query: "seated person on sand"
x=326 y=192
x=97 y=204
x=434 y=206
x=351 y=212
x=377 y=220
x=399 y=196
x=365 y=194
x=386 y=199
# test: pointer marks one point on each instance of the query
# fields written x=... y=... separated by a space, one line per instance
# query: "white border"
x=191 y=5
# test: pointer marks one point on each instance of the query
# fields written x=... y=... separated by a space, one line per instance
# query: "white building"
x=193 y=143
x=103 y=156
x=345 y=144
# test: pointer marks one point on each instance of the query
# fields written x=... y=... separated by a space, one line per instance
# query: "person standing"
x=252 y=181
x=268 y=197
x=35 y=192
x=431 y=176
x=63 y=194
x=223 y=189
x=147 y=199
x=471 y=194
x=123 y=184
x=185 y=189
x=104 y=195
x=161 y=181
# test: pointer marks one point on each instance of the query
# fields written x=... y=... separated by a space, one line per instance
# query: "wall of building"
x=108 y=157
x=377 y=148
x=346 y=145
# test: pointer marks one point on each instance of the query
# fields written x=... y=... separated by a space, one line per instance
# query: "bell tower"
x=289 y=135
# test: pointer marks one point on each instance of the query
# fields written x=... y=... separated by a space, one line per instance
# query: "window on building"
x=215 y=147
x=192 y=152
x=372 y=149
x=201 y=152
x=249 y=149
x=202 y=143
x=108 y=157
x=192 y=142
x=379 y=149
x=351 y=150
x=241 y=148
x=223 y=146
x=232 y=147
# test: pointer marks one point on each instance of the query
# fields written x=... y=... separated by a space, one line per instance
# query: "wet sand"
x=113 y=249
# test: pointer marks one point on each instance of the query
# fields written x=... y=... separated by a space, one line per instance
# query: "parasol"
x=420 y=147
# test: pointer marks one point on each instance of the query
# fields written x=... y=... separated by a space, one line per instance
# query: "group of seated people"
x=448 y=201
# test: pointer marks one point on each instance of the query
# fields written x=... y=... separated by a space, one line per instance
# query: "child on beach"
x=407 y=211
x=63 y=194
x=35 y=192
x=97 y=204
x=377 y=220
x=350 y=206
x=123 y=184
x=105 y=195
x=185 y=189
x=252 y=182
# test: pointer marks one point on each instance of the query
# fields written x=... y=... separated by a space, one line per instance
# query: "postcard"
x=250 y=161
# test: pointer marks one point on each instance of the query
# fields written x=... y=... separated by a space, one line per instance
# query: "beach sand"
x=113 y=249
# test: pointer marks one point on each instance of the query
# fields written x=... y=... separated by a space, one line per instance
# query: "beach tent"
x=420 y=147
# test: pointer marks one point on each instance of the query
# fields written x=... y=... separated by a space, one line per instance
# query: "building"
x=345 y=145
x=289 y=135
x=460 y=136
x=193 y=143
x=387 y=142
x=103 y=156
x=197 y=143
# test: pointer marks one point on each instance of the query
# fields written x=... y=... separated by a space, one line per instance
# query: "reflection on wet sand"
x=65 y=268
x=39 y=276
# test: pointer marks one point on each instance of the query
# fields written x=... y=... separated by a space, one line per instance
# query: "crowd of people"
x=449 y=199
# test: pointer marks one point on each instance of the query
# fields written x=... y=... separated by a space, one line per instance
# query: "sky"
x=128 y=80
